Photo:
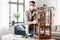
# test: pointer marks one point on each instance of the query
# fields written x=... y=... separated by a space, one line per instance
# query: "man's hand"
x=34 y=13
x=34 y=22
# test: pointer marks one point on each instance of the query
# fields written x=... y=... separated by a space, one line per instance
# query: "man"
x=29 y=17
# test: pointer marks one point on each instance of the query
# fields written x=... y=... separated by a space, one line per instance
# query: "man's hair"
x=32 y=2
x=44 y=5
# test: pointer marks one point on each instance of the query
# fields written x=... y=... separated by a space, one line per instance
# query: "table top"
x=19 y=37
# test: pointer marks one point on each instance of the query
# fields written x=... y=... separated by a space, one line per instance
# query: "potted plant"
x=16 y=16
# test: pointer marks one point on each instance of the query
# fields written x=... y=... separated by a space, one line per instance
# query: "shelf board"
x=42 y=36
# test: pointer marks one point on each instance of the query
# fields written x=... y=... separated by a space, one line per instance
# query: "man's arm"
x=26 y=19
x=28 y=22
x=31 y=22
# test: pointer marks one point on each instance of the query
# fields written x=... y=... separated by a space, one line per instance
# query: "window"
x=16 y=6
x=21 y=12
x=13 y=0
x=21 y=1
x=13 y=9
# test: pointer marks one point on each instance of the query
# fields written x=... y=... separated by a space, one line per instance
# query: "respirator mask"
x=32 y=7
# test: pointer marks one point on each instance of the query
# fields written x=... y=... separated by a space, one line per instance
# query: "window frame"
x=17 y=3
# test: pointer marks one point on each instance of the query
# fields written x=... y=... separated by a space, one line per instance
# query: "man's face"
x=31 y=6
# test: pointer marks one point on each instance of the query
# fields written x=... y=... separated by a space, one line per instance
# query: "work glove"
x=34 y=13
x=34 y=22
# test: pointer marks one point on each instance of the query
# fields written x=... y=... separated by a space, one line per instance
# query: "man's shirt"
x=28 y=15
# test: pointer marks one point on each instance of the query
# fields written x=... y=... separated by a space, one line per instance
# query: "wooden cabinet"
x=41 y=30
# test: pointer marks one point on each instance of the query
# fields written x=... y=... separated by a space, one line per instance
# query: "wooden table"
x=15 y=37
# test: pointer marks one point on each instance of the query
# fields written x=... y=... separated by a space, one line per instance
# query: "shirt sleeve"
x=37 y=15
x=25 y=16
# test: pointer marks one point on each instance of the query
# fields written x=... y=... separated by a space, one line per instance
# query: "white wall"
x=47 y=2
x=4 y=16
x=58 y=12
x=50 y=3
x=5 y=13
x=0 y=13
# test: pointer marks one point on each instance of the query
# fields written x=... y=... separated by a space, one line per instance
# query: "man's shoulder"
x=27 y=11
